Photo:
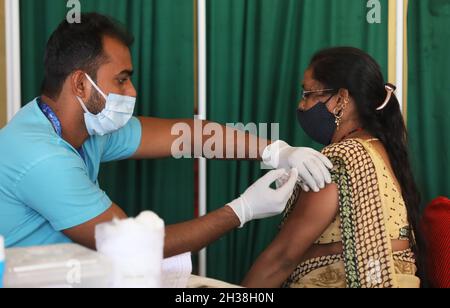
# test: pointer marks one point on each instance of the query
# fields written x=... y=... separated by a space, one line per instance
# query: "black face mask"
x=318 y=123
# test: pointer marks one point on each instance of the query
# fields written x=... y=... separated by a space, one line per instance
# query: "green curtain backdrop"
x=164 y=70
x=428 y=99
x=257 y=52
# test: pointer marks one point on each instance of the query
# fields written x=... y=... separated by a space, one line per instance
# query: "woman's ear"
x=335 y=103
x=339 y=101
x=342 y=101
x=344 y=93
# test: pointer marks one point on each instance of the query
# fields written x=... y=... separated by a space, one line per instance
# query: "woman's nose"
x=301 y=104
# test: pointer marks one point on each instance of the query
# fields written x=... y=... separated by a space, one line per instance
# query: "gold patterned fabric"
x=371 y=214
x=329 y=272
x=397 y=218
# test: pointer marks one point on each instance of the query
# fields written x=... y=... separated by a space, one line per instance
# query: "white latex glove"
x=260 y=201
x=312 y=166
x=283 y=180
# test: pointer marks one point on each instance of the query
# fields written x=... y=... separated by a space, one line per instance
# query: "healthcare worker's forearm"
x=194 y=235
x=191 y=138
x=215 y=141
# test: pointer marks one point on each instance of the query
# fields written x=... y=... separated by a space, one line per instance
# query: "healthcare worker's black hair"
x=79 y=46
x=353 y=69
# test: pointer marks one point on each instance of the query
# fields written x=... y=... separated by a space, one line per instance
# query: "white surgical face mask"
x=118 y=111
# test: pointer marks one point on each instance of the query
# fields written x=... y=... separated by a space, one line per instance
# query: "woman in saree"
x=361 y=230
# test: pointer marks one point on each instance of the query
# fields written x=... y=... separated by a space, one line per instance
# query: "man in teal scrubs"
x=52 y=149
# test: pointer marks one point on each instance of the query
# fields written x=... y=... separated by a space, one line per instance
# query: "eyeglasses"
x=307 y=94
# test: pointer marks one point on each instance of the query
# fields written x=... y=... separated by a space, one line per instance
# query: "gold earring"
x=338 y=114
x=338 y=117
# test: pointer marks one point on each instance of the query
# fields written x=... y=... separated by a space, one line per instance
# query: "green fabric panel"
x=428 y=99
x=257 y=53
x=164 y=70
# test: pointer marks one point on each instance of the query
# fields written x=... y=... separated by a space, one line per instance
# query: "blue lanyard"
x=51 y=116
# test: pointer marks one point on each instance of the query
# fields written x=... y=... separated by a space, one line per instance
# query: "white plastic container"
x=58 y=266
x=135 y=247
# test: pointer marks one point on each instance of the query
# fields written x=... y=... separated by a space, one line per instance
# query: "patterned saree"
x=367 y=203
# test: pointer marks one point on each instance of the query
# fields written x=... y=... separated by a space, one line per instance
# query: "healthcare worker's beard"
x=95 y=103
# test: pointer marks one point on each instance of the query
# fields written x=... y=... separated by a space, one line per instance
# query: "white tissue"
x=177 y=271
x=135 y=246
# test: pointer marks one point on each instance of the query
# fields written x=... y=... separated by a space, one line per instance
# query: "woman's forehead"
x=309 y=81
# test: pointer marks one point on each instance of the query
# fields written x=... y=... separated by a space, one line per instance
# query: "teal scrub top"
x=46 y=186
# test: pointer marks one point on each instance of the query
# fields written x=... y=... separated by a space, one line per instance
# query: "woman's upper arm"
x=312 y=215
x=310 y=218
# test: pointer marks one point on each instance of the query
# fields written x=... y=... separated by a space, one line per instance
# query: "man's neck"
x=71 y=117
